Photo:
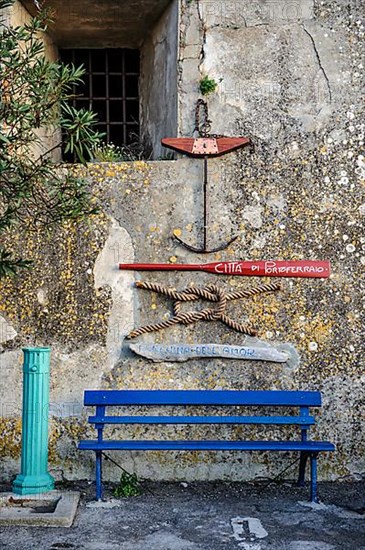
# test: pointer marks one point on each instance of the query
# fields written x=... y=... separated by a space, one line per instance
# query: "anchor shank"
x=205 y=203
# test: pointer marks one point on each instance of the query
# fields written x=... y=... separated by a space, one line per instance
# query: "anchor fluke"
x=204 y=250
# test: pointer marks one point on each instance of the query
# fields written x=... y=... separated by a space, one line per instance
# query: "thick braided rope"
x=190 y=317
x=209 y=314
x=260 y=289
x=194 y=293
x=245 y=328
x=212 y=293
x=188 y=295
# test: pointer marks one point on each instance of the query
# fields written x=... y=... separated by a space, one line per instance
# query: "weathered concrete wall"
x=159 y=81
x=106 y=24
x=292 y=82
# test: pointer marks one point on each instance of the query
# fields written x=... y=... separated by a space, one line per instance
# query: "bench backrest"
x=302 y=400
x=202 y=397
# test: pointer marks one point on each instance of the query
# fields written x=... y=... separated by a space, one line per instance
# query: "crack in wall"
x=319 y=61
x=204 y=33
x=181 y=47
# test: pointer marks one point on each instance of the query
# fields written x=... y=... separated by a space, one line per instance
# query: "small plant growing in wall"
x=128 y=486
x=34 y=93
x=107 y=152
x=208 y=85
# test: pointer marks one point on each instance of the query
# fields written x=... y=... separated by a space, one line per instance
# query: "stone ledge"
x=52 y=509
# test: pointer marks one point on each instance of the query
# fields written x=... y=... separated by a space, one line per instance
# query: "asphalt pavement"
x=207 y=516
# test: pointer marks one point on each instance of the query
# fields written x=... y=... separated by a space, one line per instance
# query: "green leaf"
x=128 y=486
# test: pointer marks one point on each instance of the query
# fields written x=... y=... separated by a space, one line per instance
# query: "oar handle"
x=161 y=267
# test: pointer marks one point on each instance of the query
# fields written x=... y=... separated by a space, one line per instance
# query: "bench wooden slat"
x=205 y=397
x=275 y=420
x=208 y=445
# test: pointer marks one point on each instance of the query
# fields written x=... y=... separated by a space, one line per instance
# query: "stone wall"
x=291 y=80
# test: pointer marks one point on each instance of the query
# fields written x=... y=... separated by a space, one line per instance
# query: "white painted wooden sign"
x=184 y=352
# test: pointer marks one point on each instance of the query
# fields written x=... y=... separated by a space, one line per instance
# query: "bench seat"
x=208 y=445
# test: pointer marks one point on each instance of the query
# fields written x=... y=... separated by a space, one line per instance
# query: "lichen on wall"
x=55 y=299
x=54 y=303
x=291 y=82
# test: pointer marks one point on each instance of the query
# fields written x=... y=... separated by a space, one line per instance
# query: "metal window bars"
x=110 y=89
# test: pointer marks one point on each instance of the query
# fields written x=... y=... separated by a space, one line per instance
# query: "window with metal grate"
x=110 y=89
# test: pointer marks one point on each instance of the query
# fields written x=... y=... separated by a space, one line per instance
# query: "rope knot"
x=211 y=293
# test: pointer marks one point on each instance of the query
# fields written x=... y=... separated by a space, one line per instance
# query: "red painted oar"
x=268 y=268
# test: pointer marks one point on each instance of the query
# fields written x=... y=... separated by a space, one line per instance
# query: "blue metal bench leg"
x=99 y=482
x=302 y=466
x=314 y=497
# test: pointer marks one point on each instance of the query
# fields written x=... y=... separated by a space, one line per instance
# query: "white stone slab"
x=183 y=352
x=32 y=510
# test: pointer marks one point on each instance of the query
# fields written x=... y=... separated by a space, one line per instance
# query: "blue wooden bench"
x=300 y=400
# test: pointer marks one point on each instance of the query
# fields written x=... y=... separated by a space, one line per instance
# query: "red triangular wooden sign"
x=205 y=146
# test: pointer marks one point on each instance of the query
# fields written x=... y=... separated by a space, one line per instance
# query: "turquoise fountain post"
x=34 y=476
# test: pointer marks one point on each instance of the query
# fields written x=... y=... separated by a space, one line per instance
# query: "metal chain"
x=202 y=127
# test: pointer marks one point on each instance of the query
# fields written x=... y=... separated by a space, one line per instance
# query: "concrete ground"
x=208 y=516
